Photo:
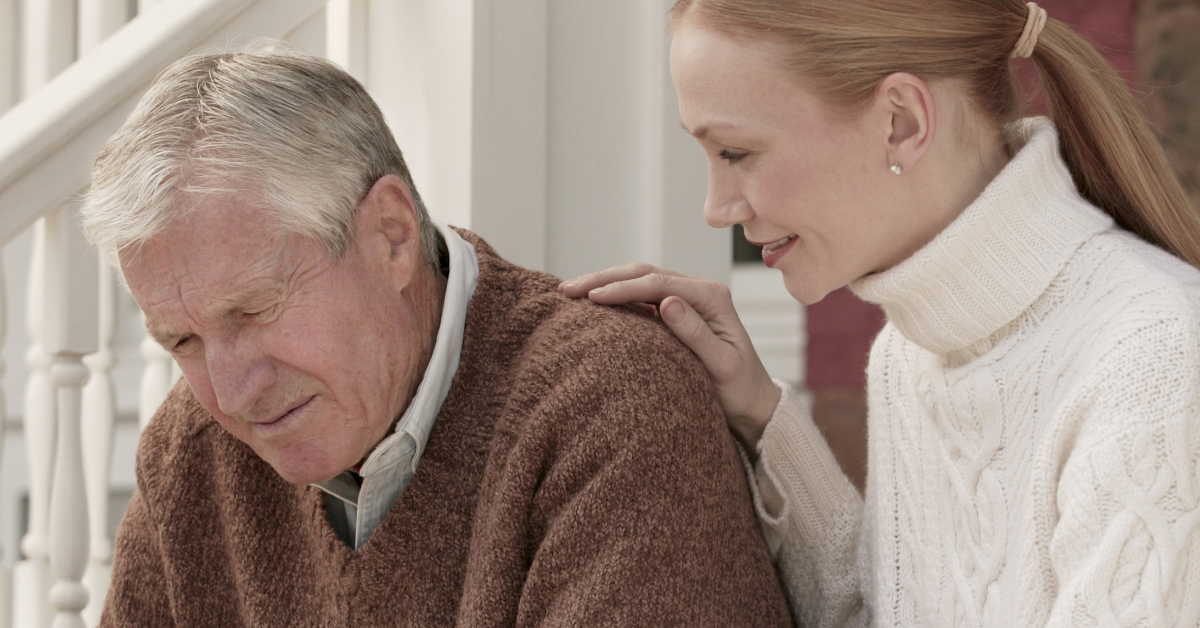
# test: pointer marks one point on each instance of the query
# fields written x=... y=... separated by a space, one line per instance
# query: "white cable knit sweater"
x=1034 y=430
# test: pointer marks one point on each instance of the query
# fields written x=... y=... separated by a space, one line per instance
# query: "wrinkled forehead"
x=215 y=249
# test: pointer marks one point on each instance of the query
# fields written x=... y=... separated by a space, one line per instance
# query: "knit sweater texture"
x=1033 y=430
x=579 y=474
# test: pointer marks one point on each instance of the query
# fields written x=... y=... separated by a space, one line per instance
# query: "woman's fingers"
x=708 y=297
x=584 y=284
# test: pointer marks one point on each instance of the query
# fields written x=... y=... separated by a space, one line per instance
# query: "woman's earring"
x=896 y=168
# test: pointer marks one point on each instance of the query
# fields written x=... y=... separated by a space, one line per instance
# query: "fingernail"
x=672 y=312
x=568 y=284
x=600 y=290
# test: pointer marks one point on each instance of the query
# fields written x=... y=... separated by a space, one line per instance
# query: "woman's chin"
x=804 y=289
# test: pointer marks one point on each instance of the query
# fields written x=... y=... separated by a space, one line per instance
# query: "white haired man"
x=574 y=467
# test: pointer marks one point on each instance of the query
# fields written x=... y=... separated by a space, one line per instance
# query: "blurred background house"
x=549 y=127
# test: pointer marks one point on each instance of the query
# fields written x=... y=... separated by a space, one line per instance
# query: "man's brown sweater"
x=580 y=473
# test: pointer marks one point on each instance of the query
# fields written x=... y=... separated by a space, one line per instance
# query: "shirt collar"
x=423 y=410
x=996 y=258
x=380 y=475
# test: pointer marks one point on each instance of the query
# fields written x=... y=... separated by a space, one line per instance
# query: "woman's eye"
x=731 y=156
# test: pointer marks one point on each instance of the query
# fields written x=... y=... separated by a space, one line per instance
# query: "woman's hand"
x=700 y=313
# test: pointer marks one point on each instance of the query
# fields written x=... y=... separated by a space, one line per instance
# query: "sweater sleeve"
x=811 y=516
x=138 y=594
x=1118 y=529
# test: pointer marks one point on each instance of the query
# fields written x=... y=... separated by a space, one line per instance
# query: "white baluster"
x=97 y=20
x=72 y=328
x=5 y=590
x=156 y=379
x=99 y=410
x=31 y=576
x=48 y=27
x=146 y=5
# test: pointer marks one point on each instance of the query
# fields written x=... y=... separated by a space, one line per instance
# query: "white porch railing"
x=47 y=141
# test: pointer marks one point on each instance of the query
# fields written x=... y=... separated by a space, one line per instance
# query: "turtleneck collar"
x=996 y=258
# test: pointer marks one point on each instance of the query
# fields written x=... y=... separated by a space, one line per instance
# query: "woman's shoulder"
x=1117 y=277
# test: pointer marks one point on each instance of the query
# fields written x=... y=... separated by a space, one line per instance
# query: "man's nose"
x=725 y=204
x=239 y=371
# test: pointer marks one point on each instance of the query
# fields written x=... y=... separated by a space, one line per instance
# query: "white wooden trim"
x=508 y=145
x=8 y=58
x=346 y=36
x=47 y=142
x=31 y=576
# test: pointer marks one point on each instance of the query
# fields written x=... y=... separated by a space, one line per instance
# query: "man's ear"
x=911 y=121
x=387 y=226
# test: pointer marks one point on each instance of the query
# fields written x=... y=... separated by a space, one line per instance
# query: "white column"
x=72 y=327
x=97 y=20
x=346 y=36
x=31 y=576
x=625 y=182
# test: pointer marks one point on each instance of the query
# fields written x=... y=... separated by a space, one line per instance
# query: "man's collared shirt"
x=365 y=498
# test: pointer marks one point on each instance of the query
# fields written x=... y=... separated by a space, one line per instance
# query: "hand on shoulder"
x=700 y=313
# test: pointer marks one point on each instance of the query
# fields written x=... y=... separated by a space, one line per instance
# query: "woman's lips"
x=774 y=251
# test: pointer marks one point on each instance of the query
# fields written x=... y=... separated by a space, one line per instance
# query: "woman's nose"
x=725 y=204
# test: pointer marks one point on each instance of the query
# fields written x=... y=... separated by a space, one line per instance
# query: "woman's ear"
x=911 y=118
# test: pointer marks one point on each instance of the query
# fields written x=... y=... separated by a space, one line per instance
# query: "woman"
x=1034 y=401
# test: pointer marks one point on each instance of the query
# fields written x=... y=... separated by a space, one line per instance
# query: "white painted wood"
x=97 y=20
x=31 y=576
x=48 y=29
x=508 y=160
x=624 y=182
x=346 y=36
x=449 y=26
x=774 y=320
x=5 y=585
x=309 y=36
x=72 y=331
x=68 y=508
x=47 y=142
x=156 y=379
x=8 y=59
x=98 y=425
x=146 y=5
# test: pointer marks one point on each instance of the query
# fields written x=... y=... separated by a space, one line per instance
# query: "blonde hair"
x=843 y=49
x=296 y=134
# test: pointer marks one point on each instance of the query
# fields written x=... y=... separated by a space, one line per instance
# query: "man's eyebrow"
x=236 y=302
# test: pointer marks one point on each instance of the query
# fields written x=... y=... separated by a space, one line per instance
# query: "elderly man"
x=383 y=422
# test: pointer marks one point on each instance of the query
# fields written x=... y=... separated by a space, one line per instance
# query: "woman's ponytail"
x=1114 y=156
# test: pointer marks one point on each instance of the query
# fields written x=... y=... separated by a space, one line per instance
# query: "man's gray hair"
x=297 y=134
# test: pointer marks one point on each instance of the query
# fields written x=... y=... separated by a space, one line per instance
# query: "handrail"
x=48 y=141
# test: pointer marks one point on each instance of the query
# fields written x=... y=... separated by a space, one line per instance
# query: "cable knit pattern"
x=1034 y=430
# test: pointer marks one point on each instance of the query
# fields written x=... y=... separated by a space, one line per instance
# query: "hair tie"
x=1033 y=29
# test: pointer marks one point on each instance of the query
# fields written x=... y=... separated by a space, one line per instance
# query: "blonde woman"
x=1034 y=400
